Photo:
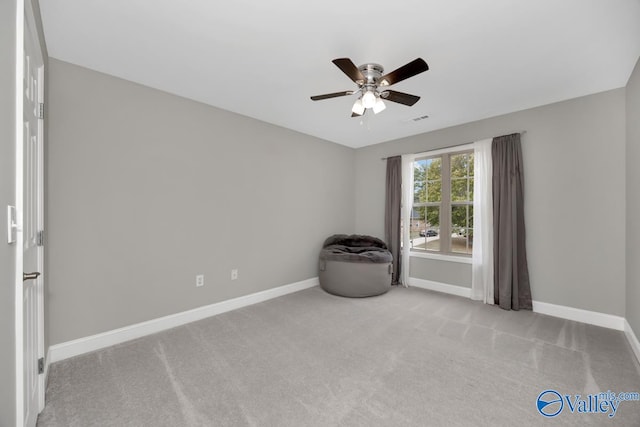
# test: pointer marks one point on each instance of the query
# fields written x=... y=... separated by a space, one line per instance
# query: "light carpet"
x=410 y=357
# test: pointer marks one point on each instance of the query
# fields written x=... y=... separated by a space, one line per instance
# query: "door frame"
x=25 y=12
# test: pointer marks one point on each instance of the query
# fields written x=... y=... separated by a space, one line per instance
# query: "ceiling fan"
x=372 y=85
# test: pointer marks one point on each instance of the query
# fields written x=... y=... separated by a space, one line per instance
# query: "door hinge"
x=41 y=111
x=41 y=365
x=40 y=238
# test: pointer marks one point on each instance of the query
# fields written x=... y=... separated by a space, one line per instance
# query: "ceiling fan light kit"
x=369 y=79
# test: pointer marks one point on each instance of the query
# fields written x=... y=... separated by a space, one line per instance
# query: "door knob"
x=29 y=276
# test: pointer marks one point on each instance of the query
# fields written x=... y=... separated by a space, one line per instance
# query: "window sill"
x=441 y=257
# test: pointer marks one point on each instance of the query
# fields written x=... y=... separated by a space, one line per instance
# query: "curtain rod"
x=522 y=132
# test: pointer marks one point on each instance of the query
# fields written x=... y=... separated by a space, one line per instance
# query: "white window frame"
x=444 y=254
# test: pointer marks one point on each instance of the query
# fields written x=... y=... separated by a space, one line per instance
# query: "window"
x=442 y=211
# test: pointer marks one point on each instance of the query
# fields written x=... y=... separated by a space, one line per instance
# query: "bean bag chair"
x=355 y=266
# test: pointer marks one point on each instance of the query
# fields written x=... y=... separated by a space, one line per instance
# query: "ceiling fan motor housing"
x=372 y=73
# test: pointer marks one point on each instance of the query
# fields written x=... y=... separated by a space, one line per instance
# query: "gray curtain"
x=392 y=212
x=512 y=290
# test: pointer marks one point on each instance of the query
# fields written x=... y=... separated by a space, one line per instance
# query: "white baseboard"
x=95 y=342
x=79 y=346
x=564 y=312
x=633 y=339
x=585 y=316
x=440 y=287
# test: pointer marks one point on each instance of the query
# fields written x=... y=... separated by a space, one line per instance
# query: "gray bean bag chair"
x=355 y=266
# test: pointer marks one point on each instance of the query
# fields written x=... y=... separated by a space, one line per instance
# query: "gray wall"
x=633 y=200
x=574 y=197
x=451 y=273
x=147 y=189
x=7 y=197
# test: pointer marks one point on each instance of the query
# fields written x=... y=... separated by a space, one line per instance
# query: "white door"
x=32 y=221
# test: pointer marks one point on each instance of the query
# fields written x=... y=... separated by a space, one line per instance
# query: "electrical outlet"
x=200 y=280
x=234 y=274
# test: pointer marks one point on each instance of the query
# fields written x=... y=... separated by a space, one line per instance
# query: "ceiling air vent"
x=416 y=119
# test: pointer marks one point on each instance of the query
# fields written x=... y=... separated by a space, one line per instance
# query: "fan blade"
x=358 y=115
x=400 y=97
x=331 y=95
x=414 y=67
x=350 y=69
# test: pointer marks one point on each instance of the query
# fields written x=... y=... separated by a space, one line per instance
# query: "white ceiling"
x=263 y=59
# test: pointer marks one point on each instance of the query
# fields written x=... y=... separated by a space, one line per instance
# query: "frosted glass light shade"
x=378 y=106
x=358 y=108
x=369 y=99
